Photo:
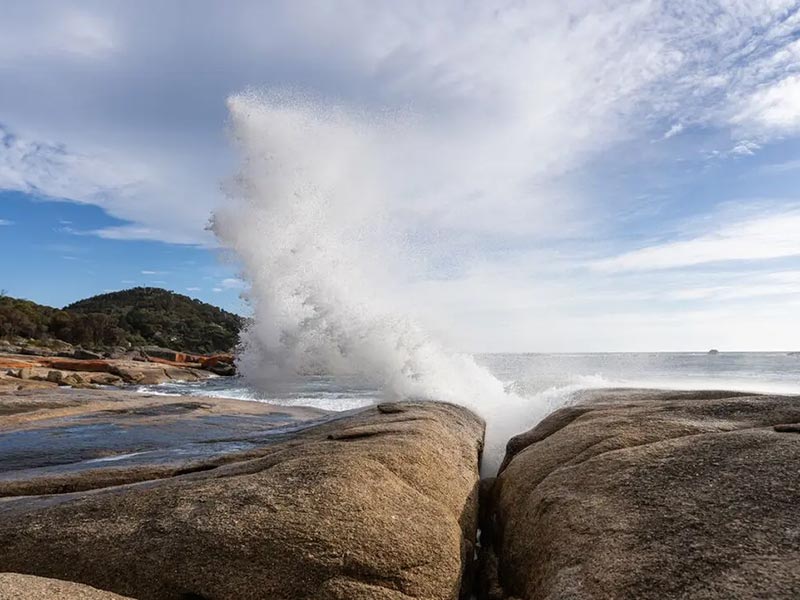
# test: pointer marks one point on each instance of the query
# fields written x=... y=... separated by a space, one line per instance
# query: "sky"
x=566 y=175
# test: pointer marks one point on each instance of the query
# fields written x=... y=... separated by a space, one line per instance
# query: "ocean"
x=550 y=379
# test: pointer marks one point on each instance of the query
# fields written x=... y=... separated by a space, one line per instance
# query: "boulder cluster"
x=34 y=367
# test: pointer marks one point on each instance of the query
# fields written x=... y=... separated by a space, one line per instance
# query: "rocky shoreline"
x=626 y=494
x=83 y=369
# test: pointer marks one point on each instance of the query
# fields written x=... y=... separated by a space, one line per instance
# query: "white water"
x=306 y=217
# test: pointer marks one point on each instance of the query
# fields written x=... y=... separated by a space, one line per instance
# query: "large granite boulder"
x=14 y=586
x=380 y=504
x=643 y=494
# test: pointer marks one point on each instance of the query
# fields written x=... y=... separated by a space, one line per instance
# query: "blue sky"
x=565 y=175
x=55 y=259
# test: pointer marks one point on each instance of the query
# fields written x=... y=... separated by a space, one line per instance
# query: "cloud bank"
x=513 y=94
x=500 y=122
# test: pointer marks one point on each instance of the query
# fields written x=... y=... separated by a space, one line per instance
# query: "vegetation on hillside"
x=135 y=317
x=23 y=318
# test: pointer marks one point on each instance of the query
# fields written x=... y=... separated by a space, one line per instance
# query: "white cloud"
x=745 y=148
x=482 y=113
x=5 y=222
x=85 y=34
x=232 y=283
x=546 y=304
x=466 y=89
x=192 y=289
x=774 y=108
x=124 y=188
x=147 y=272
x=60 y=34
x=760 y=237
x=52 y=170
x=674 y=130
x=781 y=167
x=175 y=235
x=737 y=285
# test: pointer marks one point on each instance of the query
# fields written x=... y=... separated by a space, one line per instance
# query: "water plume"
x=307 y=217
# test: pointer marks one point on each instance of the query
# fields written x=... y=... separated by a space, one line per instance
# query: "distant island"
x=137 y=317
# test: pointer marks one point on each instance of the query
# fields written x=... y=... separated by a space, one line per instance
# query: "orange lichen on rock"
x=15 y=363
x=216 y=359
x=176 y=363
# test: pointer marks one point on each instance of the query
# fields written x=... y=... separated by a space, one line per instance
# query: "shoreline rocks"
x=647 y=494
x=376 y=504
x=21 y=371
x=629 y=494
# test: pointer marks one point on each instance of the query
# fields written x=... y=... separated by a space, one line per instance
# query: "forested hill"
x=136 y=317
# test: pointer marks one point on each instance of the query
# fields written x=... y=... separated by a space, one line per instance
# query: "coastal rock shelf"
x=376 y=504
x=627 y=494
x=646 y=494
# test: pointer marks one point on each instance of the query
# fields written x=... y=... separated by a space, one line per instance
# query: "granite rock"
x=381 y=503
x=649 y=495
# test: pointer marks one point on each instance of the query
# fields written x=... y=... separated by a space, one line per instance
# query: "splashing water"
x=307 y=219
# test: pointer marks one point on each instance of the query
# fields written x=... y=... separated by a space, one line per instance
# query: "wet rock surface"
x=52 y=441
x=380 y=503
x=646 y=494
